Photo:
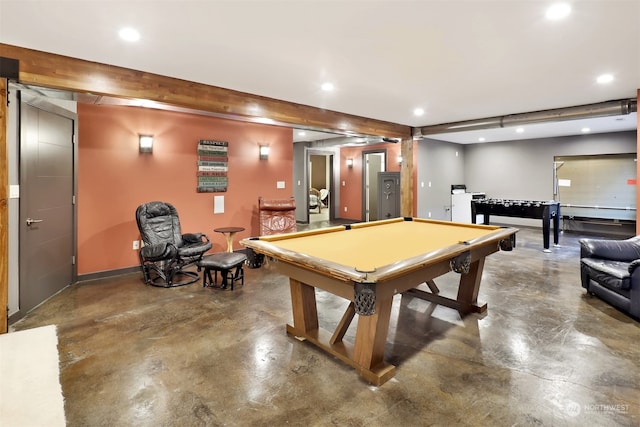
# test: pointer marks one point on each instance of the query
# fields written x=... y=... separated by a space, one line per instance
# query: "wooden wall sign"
x=213 y=164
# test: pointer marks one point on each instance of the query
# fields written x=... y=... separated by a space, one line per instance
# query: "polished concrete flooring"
x=544 y=354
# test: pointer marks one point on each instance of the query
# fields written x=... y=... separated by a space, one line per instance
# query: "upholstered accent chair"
x=609 y=270
x=275 y=216
x=318 y=199
x=315 y=201
x=166 y=251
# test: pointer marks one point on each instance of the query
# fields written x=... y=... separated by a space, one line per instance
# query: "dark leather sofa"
x=609 y=270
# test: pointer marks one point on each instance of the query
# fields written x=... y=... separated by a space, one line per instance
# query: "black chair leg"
x=239 y=275
x=227 y=277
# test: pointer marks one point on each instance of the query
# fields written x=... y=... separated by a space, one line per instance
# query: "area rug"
x=30 y=390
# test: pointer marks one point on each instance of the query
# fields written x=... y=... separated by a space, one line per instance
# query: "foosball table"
x=548 y=212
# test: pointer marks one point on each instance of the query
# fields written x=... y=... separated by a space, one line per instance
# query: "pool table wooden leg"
x=469 y=288
x=371 y=335
x=303 y=304
x=344 y=323
x=366 y=355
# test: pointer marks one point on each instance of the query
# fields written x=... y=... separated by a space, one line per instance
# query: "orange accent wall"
x=114 y=178
x=351 y=192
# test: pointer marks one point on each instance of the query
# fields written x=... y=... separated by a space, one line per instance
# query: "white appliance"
x=461 y=206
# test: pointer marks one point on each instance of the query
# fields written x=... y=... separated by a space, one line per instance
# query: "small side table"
x=229 y=232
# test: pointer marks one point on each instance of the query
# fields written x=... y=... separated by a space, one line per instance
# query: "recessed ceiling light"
x=586 y=130
x=418 y=112
x=558 y=11
x=481 y=139
x=302 y=133
x=605 y=78
x=520 y=130
x=327 y=86
x=129 y=34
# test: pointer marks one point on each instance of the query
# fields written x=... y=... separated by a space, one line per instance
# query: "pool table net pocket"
x=365 y=298
x=461 y=263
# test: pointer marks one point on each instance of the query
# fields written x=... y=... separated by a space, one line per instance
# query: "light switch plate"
x=218 y=204
x=14 y=191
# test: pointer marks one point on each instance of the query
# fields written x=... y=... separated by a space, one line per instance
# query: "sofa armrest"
x=633 y=265
x=620 y=250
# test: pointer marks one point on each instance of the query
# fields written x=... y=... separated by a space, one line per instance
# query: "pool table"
x=367 y=264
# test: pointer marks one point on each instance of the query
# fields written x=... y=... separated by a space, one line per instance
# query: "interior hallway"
x=543 y=354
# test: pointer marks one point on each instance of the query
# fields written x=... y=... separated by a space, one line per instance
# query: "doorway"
x=374 y=162
x=320 y=178
x=46 y=229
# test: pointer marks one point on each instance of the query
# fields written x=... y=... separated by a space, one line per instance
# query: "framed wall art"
x=213 y=165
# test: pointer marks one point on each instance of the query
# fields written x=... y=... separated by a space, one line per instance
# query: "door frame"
x=330 y=155
x=365 y=168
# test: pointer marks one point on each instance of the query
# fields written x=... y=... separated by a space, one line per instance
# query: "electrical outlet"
x=136 y=245
x=345 y=208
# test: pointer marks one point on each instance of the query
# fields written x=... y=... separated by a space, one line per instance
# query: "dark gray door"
x=46 y=204
x=388 y=195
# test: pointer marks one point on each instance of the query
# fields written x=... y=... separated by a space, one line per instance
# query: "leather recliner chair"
x=609 y=270
x=167 y=251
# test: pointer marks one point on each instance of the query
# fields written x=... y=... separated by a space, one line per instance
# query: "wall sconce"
x=146 y=143
x=264 y=152
x=349 y=163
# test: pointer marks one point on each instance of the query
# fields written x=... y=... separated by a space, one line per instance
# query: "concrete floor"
x=544 y=354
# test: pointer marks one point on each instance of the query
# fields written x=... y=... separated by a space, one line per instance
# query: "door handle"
x=33 y=221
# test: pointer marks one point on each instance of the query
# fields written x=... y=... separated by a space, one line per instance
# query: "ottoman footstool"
x=229 y=264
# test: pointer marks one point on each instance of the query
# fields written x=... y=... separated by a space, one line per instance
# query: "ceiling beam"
x=80 y=76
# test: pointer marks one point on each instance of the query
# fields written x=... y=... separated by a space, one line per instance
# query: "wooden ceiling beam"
x=79 y=76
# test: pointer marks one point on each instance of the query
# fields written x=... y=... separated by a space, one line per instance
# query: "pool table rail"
x=268 y=247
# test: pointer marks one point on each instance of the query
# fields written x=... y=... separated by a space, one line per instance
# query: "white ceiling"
x=456 y=59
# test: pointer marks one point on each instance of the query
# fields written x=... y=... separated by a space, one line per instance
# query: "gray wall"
x=440 y=164
x=508 y=170
x=524 y=169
